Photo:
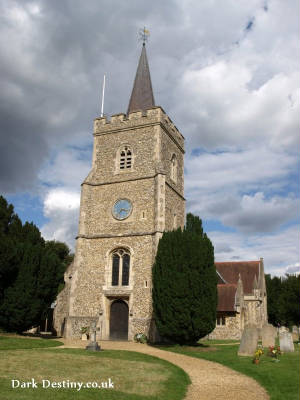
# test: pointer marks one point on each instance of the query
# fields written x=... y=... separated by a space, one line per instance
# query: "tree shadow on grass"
x=193 y=347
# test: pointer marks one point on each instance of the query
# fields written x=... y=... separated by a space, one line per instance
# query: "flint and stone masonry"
x=154 y=186
x=133 y=193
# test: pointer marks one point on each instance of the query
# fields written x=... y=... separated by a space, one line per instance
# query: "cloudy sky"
x=226 y=72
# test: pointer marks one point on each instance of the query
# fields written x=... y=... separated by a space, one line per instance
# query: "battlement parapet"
x=152 y=116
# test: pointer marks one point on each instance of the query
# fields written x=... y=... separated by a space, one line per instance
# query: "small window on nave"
x=221 y=320
x=120 y=272
x=125 y=158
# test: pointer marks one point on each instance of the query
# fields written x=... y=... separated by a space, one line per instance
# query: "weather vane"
x=144 y=34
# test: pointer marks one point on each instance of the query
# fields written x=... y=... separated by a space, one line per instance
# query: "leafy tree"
x=31 y=271
x=283 y=299
x=288 y=306
x=185 y=284
x=62 y=251
x=10 y=227
x=273 y=286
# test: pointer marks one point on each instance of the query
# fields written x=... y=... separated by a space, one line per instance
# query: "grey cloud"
x=55 y=61
x=50 y=87
x=52 y=67
x=224 y=205
x=279 y=249
x=292 y=269
x=223 y=248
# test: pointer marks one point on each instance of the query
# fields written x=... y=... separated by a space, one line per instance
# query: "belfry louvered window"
x=125 y=158
x=120 y=268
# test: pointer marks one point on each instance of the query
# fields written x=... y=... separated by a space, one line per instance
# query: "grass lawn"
x=280 y=379
x=215 y=341
x=11 y=343
x=135 y=376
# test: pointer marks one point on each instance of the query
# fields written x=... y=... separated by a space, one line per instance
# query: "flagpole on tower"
x=103 y=90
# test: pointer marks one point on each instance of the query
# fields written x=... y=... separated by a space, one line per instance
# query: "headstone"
x=93 y=345
x=286 y=342
x=249 y=341
x=259 y=332
x=268 y=334
x=283 y=329
x=295 y=333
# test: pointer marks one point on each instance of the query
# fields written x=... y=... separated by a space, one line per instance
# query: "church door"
x=119 y=320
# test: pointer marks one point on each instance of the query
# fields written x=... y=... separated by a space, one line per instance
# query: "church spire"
x=142 y=95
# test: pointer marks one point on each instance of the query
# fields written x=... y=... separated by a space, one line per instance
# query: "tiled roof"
x=226 y=297
x=247 y=269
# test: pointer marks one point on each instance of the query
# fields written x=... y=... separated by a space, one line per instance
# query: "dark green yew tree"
x=31 y=271
x=10 y=231
x=185 y=284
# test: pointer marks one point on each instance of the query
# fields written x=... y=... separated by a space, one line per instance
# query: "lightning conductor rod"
x=103 y=90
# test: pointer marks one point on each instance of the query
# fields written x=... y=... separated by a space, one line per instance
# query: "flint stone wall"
x=229 y=331
x=155 y=197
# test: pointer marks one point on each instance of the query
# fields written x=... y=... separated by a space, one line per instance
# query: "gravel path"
x=210 y=381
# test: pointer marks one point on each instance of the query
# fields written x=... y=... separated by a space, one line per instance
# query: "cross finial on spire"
x=144 y=34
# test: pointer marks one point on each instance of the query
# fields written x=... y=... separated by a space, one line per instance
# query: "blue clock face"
x=122 y=209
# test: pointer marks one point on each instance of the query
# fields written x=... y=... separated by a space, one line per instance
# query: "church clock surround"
x=122 y=209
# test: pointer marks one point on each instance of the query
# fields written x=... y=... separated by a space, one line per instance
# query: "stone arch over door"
x=119 y=314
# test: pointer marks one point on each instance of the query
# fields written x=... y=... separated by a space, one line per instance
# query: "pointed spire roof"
x=142 y=95
x=255 y=284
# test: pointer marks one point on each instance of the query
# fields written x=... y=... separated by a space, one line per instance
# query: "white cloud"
x=255 y=213
x=293 y=269
x=250 y=168
x=68 y=168
x=59 y=200
x=249 y=93
x=65 y=172
x=279 y=250
x=62 y=209
x=232 y=91
x=223 y=111
x=248 y=190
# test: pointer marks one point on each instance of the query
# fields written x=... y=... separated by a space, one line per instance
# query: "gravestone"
x=249 y=341
x=295 y=333
x=259 y=332
x=286 y=342
x=93 y=345
x=268 y=334
x=283 y=329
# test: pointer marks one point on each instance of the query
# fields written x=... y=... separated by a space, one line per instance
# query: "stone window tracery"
x=120 y=268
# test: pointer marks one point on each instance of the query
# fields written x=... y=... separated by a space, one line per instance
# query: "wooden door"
x=119 y=320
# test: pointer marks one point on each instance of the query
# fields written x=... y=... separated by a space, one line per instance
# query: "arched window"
x=120 y=268
x=125 y=158
x=174 y=168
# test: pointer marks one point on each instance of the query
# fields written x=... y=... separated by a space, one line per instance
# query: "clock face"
x=122 y=209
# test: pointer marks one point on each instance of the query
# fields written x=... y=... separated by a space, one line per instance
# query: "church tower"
x=133 y=193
